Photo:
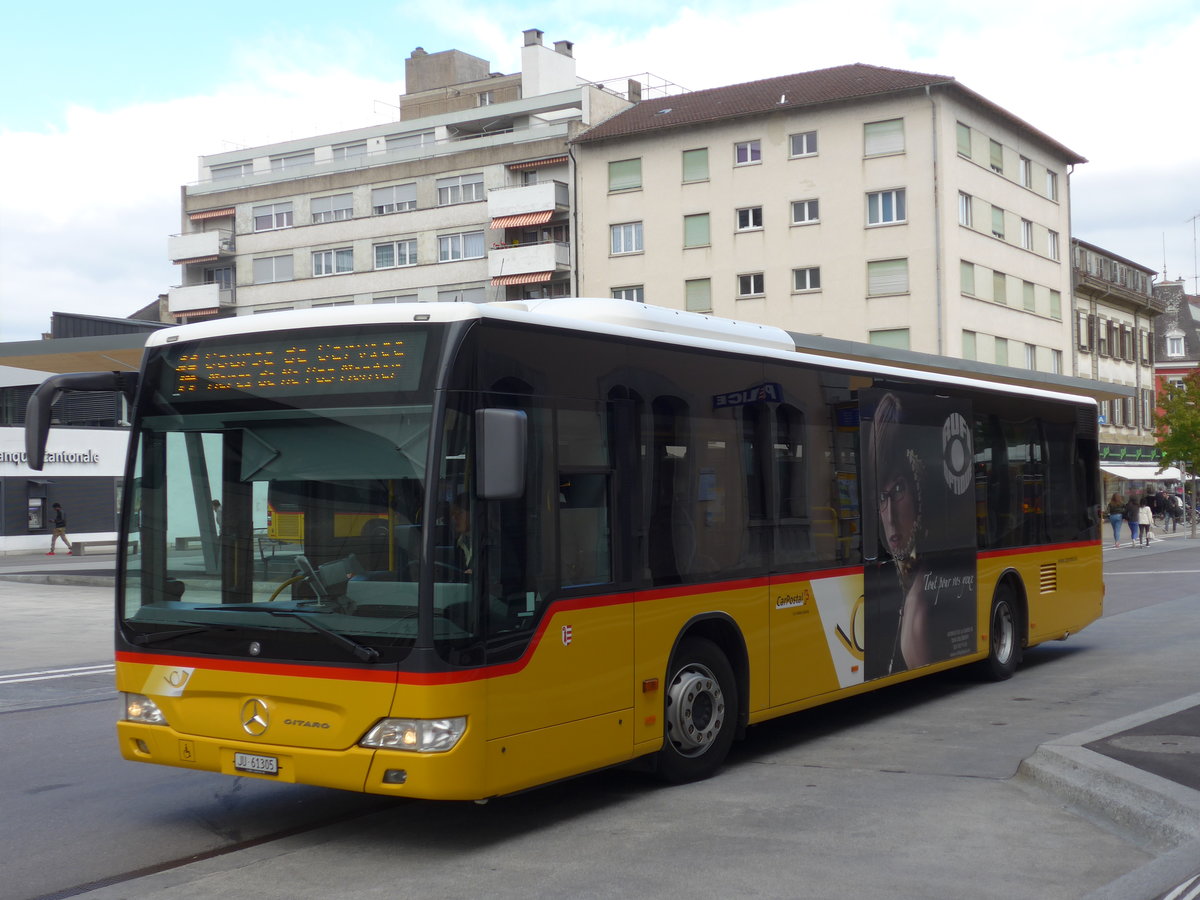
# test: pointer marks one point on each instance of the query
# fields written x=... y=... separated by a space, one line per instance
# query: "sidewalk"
x=34 y=567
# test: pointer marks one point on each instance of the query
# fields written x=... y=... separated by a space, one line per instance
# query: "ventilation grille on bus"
x=1086 y=421
x=1048 y=578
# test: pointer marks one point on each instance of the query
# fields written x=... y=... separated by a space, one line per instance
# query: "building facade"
x=858 y=202
x=1115 y=310
x=467 y=197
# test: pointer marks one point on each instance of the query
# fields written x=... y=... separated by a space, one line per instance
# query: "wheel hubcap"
x=1003 y=633
x=695 y=710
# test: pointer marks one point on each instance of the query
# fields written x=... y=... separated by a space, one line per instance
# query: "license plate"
x=259 y=765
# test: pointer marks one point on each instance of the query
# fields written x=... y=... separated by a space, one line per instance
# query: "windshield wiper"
x=361 y=651
x=155 y=636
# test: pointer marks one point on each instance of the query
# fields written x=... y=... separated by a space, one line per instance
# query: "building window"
x=1175 y=345
x=969 y=348
x=964 y=140
x=1001 y=351
x=965 y=202
x=746 y=153
x=696 y=230
x=1051 y=185
x=997 y=222
x=293 y=161
x=1052 y=244
x=635 y=293
x=1000 y=287
x=462 y=295
x=396 y=253
x=1026 y=172
x=460 y=189
x=332 y=209
x=749 y=218
x=396 y=198
x=695 y=164
x=276 y=215
x=485 y=98
x=1029 y=296
x=806 y=279
x=697 y=295
x=395 y=298
x=1084 y=325
x=273 y=268
x=897 y=338
x=333 y=262
x=625 y=174
x=237 y=170
x=887 y=276
x=805 y=212
x=996 y=156
x=886 y=207
x=467 y=245
x=404 y=141
x=325 y=303
x=966 y=276
x=626 y=238
x=803 y=144
x=350 y=151
x=1026 y=234
x=1031 y=356
x=883 y=137
x=1056 y=362
x=751 y=285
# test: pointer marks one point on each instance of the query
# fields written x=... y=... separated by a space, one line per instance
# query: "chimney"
x=564 y=47
x=634 y=91
x=533 y=37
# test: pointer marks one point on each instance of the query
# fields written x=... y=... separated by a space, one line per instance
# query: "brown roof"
x=834 y=85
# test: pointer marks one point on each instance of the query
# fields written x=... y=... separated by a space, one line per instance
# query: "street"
x=908 y=792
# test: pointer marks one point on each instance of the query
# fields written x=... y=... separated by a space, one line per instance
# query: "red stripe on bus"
x=1044 y=548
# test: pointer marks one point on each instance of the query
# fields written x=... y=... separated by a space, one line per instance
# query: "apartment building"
x=857 y=202
x=1115 y=309
x=466 y=197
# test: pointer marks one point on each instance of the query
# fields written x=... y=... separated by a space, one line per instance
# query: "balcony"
x=546 y=197
x=199 y=246
x=193 y=298
x=547 y=257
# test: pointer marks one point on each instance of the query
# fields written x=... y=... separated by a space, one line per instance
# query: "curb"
x=1156 y=812
x=80 y=580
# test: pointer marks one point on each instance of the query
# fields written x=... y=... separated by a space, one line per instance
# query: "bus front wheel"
x=700 y=712
x=1004 y=637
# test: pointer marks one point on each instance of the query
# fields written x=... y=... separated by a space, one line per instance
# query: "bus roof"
x=640 y=321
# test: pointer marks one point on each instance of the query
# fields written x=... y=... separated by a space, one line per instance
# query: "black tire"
x=1004 y=635
x=700 y=712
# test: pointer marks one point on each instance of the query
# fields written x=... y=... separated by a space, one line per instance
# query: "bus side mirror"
x=500 y=441
x=37 y=412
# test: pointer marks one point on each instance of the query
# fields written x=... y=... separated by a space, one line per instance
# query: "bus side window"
x=584 y=497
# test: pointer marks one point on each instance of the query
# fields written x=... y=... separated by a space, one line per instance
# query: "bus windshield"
x=288 y=526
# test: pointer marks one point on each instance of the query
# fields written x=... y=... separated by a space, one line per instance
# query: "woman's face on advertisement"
x=897 y=513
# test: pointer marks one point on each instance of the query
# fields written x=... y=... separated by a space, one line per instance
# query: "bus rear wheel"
x=1004 y=638
x=700 y=712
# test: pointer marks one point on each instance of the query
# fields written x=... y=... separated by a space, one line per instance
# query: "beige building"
x=467 y=197
x=856 y=202
x=1115 y=319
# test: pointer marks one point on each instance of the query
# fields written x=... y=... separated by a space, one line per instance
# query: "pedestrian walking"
x=1174 y=513
x=1145 y=520
x=1132 y=517
x=60 y=528
x=1116 y=514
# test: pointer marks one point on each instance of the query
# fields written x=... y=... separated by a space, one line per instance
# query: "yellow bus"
x=610 y=532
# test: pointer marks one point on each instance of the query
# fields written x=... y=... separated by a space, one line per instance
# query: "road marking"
x=49 y=674
x=1167 y=572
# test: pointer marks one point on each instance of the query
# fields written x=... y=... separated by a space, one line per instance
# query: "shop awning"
x=537 y=163
x=1143 y=473
x=527 y=278
x=523 y=219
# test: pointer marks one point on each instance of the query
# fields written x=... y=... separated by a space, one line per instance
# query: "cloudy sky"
x=106 y=107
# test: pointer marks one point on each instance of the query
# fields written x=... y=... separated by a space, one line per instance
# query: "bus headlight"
x=417 y=735
x=140 y=708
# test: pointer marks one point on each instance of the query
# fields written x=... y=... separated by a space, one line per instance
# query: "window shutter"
x=624 y=174
x=887 y=276
x=884 y=137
